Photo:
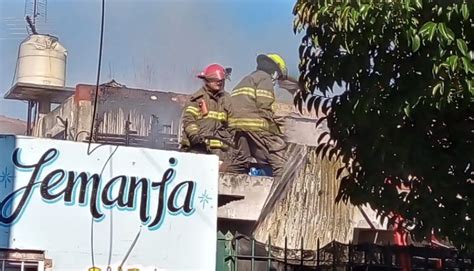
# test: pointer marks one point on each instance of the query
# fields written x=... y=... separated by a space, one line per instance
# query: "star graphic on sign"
x=204 y=198
x=6 y=177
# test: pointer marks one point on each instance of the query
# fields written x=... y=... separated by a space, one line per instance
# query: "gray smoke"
x=171 y=41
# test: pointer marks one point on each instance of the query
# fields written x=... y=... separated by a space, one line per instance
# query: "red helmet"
x=214 y=71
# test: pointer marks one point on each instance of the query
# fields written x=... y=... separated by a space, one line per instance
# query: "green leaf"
x=449 y=14
x=407 y=110
x=415 y=45
x=419 y=4
x=465 y=62
x=428 y=30
x=441 y=52
x=355 y=106
x=446 y=32
x=434 y=70
x=364 y=10
x=452 y=62
x=437 y=89
x=440 y=10
x=465 y=11
x=470 y=86
x=462 y=46
x=468 y=65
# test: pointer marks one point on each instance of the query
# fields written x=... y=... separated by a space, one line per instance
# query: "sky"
x=153 y=44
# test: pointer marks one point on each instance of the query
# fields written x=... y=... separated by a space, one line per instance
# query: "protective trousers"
x=229 y=158
x=265 y=147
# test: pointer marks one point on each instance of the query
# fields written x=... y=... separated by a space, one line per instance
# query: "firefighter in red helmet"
x=205 y=117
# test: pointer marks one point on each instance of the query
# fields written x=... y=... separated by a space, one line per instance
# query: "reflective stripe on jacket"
x=206 y=124
x=252 y=102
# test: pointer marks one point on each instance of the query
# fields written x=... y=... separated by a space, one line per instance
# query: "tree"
x=406 y=116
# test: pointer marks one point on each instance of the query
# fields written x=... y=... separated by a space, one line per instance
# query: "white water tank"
x=42 y=61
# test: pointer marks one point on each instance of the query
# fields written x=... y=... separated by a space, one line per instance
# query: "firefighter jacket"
x=206 y=115
x=253 y=100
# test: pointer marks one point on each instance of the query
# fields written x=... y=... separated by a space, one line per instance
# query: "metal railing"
x=238 y=252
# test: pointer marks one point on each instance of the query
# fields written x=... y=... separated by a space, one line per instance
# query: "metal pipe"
x=28 y=119
x=236 y=253
x=390 y=254
x=269 y=252
x=317 y=254
x=34 y=13
x=333 y=257
x=253 y=255
x=66 y=127
x=34 y=120
x=249 y=257
x=286 y=251
x=350 y=255
x=301 y=256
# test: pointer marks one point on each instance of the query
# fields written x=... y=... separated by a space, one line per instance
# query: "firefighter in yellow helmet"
x=205 y=118
x=258 y=134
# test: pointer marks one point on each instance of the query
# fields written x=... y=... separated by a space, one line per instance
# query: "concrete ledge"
x=35 y=92
x=250 y=191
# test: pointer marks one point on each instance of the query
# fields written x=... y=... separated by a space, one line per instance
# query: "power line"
x=94 y=113
x=92 y=242
x=109 y=159
x=98 y=78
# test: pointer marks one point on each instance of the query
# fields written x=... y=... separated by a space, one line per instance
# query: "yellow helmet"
x=278 y=60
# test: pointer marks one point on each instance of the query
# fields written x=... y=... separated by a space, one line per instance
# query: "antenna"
x=35 y=13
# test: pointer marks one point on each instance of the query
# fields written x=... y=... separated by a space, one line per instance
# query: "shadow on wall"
x=7 y=177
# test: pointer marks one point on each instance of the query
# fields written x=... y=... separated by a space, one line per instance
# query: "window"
x=19 y=266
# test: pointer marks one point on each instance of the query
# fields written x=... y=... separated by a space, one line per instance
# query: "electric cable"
x=94 y=111
x=94 y=114
x=92 y=218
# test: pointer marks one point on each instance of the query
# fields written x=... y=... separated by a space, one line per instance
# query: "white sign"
x=85 y=210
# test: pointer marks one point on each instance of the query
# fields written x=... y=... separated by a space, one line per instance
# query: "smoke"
x=164 y=44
